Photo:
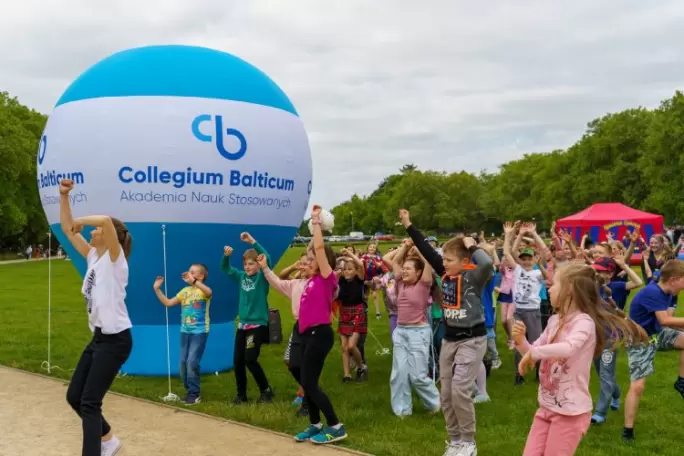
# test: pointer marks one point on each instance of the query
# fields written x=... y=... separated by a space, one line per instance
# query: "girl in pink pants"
x=566 y=349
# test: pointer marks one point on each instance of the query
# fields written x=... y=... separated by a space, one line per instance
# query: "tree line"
x=635 y=157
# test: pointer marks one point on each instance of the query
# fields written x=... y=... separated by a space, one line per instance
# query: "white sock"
x=337 y=426
x=318 y=426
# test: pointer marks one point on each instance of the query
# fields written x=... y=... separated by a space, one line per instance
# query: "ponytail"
x=124 y=237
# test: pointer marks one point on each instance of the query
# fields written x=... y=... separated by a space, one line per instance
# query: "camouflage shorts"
x=640 y=357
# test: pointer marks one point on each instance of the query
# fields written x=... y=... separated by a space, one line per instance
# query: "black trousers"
x=94 y=374
x=247 y=349
x=316 y=344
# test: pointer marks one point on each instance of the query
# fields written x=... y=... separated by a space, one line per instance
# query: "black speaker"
x=275 y=327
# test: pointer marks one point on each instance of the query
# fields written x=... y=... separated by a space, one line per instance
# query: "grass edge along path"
x=502 y=425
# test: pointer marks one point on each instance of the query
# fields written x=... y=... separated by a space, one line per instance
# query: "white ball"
x=327 y=221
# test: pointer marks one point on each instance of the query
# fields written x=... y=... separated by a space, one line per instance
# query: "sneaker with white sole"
x=111 y=446
x=452 y=448
x=467 y=449
x=496 y=364
x=481 y=398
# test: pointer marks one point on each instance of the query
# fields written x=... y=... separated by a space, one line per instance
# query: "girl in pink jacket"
x=574 y=336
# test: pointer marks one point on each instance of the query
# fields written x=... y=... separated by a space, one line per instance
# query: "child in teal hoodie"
x=252 y=329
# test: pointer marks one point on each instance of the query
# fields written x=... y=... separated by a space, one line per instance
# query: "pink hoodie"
x=291 y=288
x=565 y=364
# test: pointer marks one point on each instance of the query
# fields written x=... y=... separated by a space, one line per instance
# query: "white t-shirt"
x=104 y=289
x=526 y=288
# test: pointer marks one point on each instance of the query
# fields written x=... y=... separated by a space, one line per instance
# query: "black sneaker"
x=266 y=397
x=519 y=380
x=361 y=375
x=679 y=386
x=347 y=379
x=628 y=436
x=239 y=400
x=302 y=411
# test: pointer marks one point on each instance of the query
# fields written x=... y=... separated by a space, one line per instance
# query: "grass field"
x=502 y=425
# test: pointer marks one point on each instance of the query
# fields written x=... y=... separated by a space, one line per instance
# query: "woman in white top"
x=104 y=288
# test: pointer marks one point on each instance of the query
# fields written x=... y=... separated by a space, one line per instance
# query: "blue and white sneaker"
x=329 y=435
x=309 y=433
x=298 y=401
x=598 y=419
x=615 y=404
x=191 y=399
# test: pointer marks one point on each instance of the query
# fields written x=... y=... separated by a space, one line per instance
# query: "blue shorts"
x=505 y=298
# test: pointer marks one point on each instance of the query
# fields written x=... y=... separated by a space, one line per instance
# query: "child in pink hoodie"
x=292 y=289
x=566 y=349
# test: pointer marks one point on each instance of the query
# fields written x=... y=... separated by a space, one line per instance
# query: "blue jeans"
x=191 y=351
x=605 y=366
x=410 y=368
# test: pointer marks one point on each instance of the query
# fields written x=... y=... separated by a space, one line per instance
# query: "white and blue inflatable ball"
x=189 y=147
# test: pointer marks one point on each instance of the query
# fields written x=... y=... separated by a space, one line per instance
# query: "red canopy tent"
x=617 y=218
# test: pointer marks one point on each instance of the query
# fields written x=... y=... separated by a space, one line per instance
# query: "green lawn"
x=502 y=424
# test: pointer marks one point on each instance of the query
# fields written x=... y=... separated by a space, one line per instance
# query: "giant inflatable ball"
x=189 y=147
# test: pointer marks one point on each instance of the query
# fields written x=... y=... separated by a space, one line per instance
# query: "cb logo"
x=218 y=129
x=42 y=147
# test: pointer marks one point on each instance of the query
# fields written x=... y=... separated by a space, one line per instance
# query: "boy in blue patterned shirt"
x=194 y=300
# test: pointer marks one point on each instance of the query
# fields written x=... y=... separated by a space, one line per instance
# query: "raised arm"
x=398 y=260
x=542 y=268
x=541 y=245
x=427 y=269
x=108 y=230
x=360 y=273
x=646 y=271
x=247 y=238
x=509 y=229
x=73 y=233
x=287 y=272
x=319 y=244
x=634 y=279
x=161 y=296
x=389 y=257
x=283 y=287
x=431 y=256
x=485 y=266
x=633 y=239
x=226 y=267
x=190 y=280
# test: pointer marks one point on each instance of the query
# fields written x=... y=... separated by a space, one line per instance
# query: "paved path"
x=36 y=421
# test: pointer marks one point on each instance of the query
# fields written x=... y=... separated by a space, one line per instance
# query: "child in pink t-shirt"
x=566 y=349
x=413 y=334
x=317 y=337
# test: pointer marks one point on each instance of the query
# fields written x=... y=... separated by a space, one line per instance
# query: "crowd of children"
x=561 y=308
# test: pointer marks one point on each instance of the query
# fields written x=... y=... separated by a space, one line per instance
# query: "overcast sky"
x=446 y=85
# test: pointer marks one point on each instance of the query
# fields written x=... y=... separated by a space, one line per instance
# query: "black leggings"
x=316 y=344
x=247 y=349
x=94 y=374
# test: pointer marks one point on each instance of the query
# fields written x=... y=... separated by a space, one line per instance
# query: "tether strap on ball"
x=169 y=397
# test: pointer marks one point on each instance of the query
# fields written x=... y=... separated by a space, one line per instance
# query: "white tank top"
x=104 y=289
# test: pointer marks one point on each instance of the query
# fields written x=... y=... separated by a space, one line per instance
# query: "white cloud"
x=444 y=84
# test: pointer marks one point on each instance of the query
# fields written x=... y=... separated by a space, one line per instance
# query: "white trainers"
x=480 y=398
x=496 y=364
x=453 y=449
x=467 y=449
x=111 y=446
